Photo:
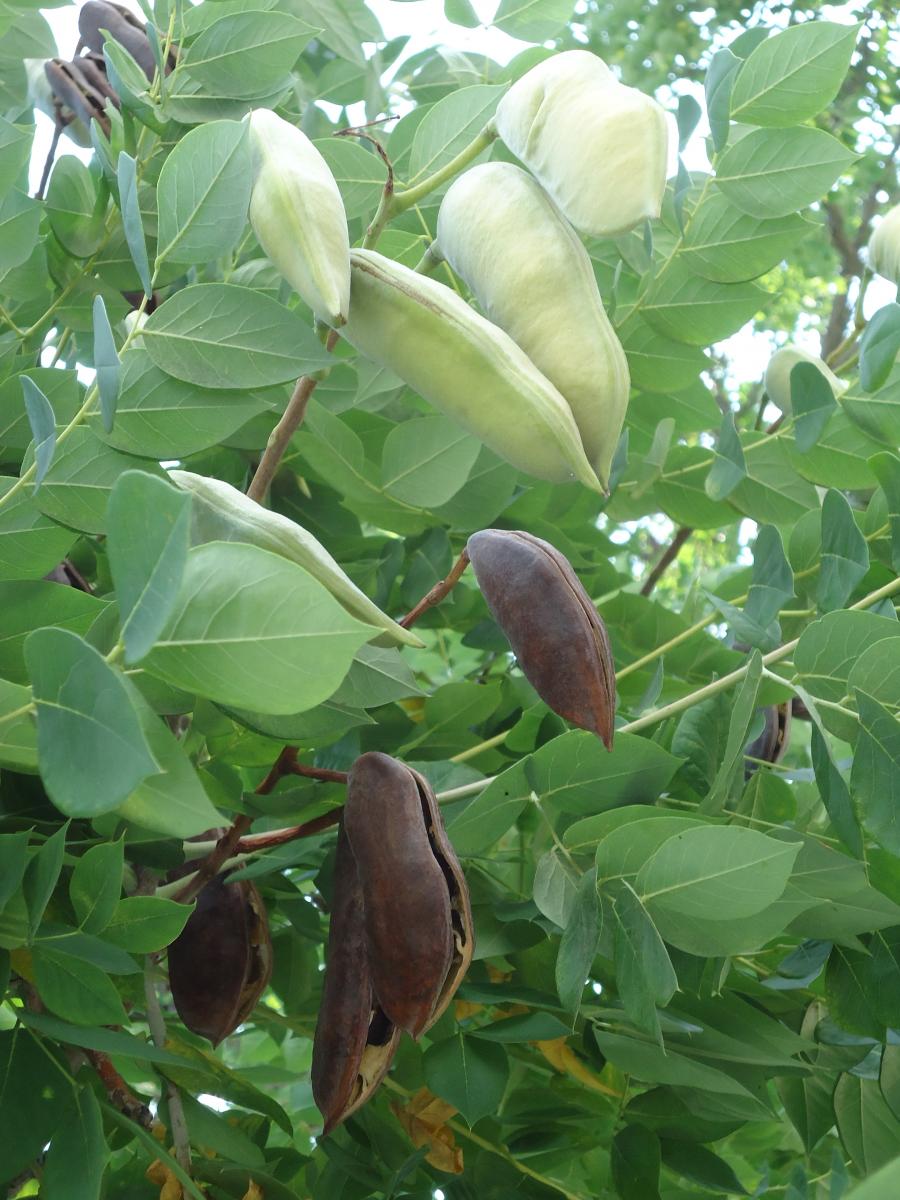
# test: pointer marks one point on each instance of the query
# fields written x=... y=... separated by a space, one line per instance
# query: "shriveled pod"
x=82 y=92
x=221 y=961
x=418 y=920
x=354 y=1041
x=599 y=148
x=221 y=513
x=778 y=375
x=551 y=624
x=884 y=246
x=531 y=275
x=465 y=365
x=298 y=215
x=124 y=27
x=772 y=743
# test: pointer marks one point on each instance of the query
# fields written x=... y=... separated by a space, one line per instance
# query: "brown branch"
x=280 y=837
x=668 y=557
x=321 y=773
x=48 y=164
x=120 y=1094
x=439 y=592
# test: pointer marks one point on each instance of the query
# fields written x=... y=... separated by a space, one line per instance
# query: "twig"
x=181 y=1140
x=669 y=555
x=48 y=164
x=321 y=773
x=438 y=593
x=120 y=1094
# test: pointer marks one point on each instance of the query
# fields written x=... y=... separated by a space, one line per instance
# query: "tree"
x=218 y=500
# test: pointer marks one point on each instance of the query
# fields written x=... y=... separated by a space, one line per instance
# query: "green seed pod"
x=551 y=624
x=221 y=961
x=884 y=247
x=220 y=513
x=778 y=375
x=462 y=363
x=598 y=147
x=354 y=1042
x=298 y=215
x=418 y=921
x=505 y=237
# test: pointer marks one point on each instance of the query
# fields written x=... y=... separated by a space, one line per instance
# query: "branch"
x=668 y=557
x=439 y=592
x=120 y=1094
x=181 y=1141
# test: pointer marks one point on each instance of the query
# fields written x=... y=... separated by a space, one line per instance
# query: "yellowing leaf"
x=561 y=1056
x=425 y=1120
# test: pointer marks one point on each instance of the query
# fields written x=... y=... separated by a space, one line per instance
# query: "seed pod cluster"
x=401 y=935
x=551 y=624
x=504 y=236
x=464 y=364
x=221 y=961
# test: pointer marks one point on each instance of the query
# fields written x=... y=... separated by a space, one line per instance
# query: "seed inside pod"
x=220 y=963
x=354 y=1041
x=417 y=917
x=551 y=625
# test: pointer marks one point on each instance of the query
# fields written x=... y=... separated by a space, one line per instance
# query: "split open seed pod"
x=551 y=624
x=221 y=961
x=419 y=933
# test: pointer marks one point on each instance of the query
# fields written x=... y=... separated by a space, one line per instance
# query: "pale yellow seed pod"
x=598 y=147
x=884 y=247
x=778 y=375
x=298 y=215
x=465 y=365
x=220 y=513
x=527 y=268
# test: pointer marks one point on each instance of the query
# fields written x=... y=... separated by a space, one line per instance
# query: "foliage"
x=686 y=977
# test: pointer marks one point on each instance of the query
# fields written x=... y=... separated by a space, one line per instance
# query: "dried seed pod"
x=598 y=147
x=124 y=27
x=354 y=1042
x=884 y=246
x=81 y=91
x=549 y=621
x=417 y=916
x=221 y=961
x=772 y=743
x=527 y=268
x=465 y=365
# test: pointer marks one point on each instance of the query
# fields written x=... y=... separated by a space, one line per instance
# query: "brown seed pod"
x=221 y=961
x=354 y=1042
x=551 y=624
x=417 y=916
x=81 y=90
x=125 y=28
x=772 y=743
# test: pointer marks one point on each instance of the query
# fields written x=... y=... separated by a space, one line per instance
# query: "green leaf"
x=718 y=85
x=126 y=176
x=107 y=364
x=728 y=246
x=78 y=1152
x=834 y=791
x=143 y=924
x=75 y=989
x=20 y=219
x=726 y=870
x=43 y=427
x=448 y=127
x=493 y=811
x=656 y=363
x=555 y=887
x=728 y=467
x=33 y=1097
x=148 y=527
x=738 y=730
x=879 y=347
x=526 y=1027
x=576 y=774
x=469 y=1073
x=219 y=335
x=91 y=747
x=13 y=859
x=635 y=1163
x=773 y=173
x=579 y=942
x=883 y=1185
x=653 y=1064
x=700 y=1165
x=886 y=469
x=532 y=20
x=867 y=1127
x=689 y=308
x=204 y=190
x=849 y=994
x=645 y=978
x=246 y=54
x=15 y=148
x=875 y=776
x=255 y=631
x=358 y=173
x=427 y=460
x=205 y=1072
x=18 y=740
x=812 y=403
x=95 y=885
x=845 y=553
x=109 y=1041
x=792 y=76
x=76 y=207
x=30 y=543
x=42 y=874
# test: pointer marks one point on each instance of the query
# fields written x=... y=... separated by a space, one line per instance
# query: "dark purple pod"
x=354 y=1041
x=123 y=26
x=409 y=922
x=772 y=743
x=552 y=626
x=81 y=90
x=221 y=961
